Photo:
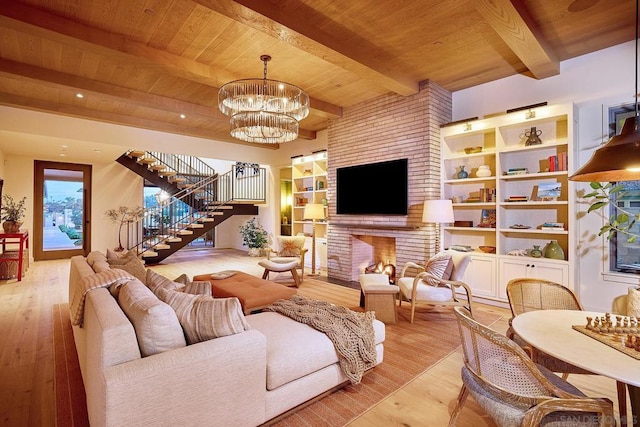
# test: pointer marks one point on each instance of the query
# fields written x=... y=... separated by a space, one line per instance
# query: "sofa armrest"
x=221 y=380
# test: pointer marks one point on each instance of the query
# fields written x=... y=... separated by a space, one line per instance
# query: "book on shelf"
x=516 y=171
x=517 y=199
x=557 y=226
x=558 y=162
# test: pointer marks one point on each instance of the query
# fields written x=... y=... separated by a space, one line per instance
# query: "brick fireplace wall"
x=387 y=128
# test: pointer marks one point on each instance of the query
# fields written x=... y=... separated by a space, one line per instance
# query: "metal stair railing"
x=191 y=169
x=170 y=218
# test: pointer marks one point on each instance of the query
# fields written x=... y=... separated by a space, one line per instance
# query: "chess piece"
x=589 y=325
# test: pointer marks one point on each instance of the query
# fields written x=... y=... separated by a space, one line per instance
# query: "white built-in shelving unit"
x=504 y=148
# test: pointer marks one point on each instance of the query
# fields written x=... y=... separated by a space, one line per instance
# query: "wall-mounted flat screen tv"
x=373 y=188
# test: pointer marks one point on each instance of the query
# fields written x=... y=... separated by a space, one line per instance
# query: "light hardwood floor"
x=26 y=351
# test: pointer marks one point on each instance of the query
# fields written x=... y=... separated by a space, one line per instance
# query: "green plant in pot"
x=12 y=213
x=254 y=236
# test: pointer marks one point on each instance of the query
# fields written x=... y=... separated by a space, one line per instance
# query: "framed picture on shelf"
x=487 y=218
x=548 y=191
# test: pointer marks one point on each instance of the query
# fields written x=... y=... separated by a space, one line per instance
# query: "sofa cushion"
x=120 y=254
x=295 y=349
x=156 y=324
x=203 y=318
x=95 y=256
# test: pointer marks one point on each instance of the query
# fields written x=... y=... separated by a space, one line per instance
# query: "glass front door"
x=62 y=194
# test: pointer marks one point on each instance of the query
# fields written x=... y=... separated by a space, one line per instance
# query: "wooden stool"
x=280 y=267
x=380 y=296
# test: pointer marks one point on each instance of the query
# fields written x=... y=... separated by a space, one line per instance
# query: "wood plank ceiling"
x=143 y=63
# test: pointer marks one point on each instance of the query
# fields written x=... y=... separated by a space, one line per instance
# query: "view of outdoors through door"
x=61 y=195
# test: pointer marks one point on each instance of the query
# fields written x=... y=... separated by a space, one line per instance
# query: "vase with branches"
x=124 y=215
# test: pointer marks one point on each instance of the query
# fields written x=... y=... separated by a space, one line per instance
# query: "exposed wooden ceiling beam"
x=294 y=28
x=13 y=100
x=108 y=91
x=21 y=17
x=513 y=23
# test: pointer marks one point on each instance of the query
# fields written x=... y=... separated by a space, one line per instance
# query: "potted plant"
x=254 y=236
x=12 y=213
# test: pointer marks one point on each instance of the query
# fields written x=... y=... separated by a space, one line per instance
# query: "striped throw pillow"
x=203 y=318
x=440 y=267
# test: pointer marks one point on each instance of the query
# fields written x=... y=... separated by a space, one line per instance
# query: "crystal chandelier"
x=263 y=110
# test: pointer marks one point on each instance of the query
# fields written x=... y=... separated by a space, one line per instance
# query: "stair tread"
x=185 y=232
x=136 y=153
x=146 y=161
x=162 y=246
x=173 y=240
x=195 y=225
x=148 y=254
x=157 y=167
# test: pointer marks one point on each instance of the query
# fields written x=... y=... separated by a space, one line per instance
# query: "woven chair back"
x=535 y=294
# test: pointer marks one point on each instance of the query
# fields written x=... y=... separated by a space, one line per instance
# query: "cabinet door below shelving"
x=531 y=268
x=481 y=276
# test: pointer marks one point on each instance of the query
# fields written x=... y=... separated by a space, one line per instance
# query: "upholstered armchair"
x=436 y=283
x=288 y=249
x=513 y=390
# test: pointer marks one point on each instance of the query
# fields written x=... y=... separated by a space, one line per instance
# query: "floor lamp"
x=437 y=212
x=313 y=211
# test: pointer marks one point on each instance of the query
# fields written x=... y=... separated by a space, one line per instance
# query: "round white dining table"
x=551 y=331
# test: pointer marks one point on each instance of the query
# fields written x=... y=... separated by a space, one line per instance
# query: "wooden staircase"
x=197 y=187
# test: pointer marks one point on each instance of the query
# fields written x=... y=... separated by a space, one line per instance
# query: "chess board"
x=614 y=340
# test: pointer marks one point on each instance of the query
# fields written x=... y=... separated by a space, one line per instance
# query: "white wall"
x=593 y=83
x=112 y=186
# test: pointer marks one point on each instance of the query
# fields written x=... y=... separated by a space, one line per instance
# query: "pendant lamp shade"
x=617 y=160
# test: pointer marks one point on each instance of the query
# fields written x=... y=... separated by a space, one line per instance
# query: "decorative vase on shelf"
x=462 y=173
x=483 y=171
x=553 y=250
x=533 y=137
x=536 y=252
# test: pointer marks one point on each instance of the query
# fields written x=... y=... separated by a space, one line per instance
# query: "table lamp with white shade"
x=313 y=211
x=437 y=212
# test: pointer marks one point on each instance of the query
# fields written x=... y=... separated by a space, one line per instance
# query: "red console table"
x=21 y=238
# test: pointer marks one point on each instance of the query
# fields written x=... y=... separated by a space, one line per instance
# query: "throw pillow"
x=289 y=247
x=183 y=278
x=633 y=301
x=203 y=318
x=198 y=288
x=95 y=256
x=155 y=323
x=111 y=254
x=155 y=282
x=440 y=267
x=134 y=267
x=223 y=274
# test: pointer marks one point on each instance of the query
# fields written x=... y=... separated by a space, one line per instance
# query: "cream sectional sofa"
x=243 y=379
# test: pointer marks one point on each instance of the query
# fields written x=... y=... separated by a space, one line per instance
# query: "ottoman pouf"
x=254 y=293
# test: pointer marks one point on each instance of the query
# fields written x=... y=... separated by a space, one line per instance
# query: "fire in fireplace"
x=380 y=267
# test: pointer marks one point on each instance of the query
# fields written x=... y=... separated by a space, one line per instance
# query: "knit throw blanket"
x=351 y=332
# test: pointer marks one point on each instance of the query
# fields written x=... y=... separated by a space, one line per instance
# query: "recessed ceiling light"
x=97 y=151
x=62 y=155
x=64 y=146
x=182 y=116
x=79 y=95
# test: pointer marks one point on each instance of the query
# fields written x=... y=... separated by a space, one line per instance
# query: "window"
x=625 y=257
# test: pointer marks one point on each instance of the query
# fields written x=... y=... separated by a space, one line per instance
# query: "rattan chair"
x=513 y=390
x=536 y=294
x=414 y=289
